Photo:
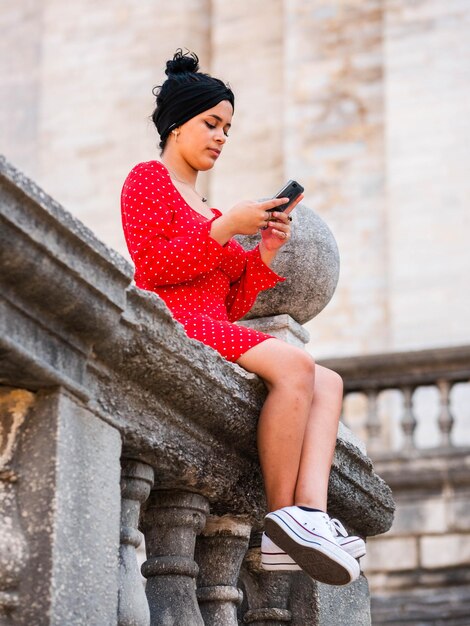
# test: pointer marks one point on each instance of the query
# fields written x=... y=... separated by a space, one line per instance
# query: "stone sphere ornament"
x=310 y=264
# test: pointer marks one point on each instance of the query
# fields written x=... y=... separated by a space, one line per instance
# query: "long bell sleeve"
x=147 y=215
x=256 y=276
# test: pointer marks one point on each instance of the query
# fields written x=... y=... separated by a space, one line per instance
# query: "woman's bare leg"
x=289 y=375
x=319 y=440
x=298 y=424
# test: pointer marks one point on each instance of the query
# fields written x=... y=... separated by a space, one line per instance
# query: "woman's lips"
x=214 y=152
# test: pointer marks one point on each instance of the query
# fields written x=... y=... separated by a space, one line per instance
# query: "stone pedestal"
x=68 y=504
x=281 y=326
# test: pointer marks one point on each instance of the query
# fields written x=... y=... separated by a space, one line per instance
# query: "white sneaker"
x=275 y=559
x=308 y=539
x=355 y=546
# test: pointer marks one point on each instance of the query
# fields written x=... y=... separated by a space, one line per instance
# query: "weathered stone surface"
x=171 y=520
x=220 y=550
x=266 y=594
x=15 y=405
x=69 y=499
x=344 y=606
x=310 y=264
x=136 y=482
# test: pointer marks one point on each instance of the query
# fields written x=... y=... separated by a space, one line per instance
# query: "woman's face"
x=201 y=139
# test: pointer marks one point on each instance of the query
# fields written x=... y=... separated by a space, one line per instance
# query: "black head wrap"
x=186 y=93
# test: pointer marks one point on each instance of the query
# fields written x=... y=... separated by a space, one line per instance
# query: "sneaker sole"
x=280 y=567
x=273 y=562
x=318 y=561
x=356 y=553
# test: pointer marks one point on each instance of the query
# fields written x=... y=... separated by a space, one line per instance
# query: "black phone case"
x=292 y=190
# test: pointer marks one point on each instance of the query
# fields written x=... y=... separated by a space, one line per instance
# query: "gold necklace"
x=173 y=175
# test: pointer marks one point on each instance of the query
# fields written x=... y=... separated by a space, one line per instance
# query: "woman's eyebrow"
x=219 y=118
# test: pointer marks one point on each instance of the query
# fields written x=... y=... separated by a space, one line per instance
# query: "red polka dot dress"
x=206 y=285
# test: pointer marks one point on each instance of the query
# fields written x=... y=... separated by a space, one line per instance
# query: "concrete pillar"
x=69 y=503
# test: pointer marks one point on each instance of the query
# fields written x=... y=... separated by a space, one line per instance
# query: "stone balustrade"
x=418 y=570
x=113 y=426
x=406 y=372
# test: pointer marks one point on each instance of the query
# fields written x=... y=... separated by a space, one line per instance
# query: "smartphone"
x=292 y=190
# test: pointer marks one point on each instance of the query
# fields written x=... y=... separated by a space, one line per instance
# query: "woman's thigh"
x=275 y=360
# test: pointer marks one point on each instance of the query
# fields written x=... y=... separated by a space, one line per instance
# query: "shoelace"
x=337 y=528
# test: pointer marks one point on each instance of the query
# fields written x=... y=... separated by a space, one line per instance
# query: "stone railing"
x=406 y=372
x=114 y=424
x=418 y=570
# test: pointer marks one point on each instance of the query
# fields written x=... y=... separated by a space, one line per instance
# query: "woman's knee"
x=297 y=370
x=329 y=378
x=280 y=364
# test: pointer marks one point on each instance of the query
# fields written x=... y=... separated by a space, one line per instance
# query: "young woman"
x=185 y=252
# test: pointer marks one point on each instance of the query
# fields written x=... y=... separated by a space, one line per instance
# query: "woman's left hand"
x=278 y=232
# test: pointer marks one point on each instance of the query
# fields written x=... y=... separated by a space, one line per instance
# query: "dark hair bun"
x=182 y=63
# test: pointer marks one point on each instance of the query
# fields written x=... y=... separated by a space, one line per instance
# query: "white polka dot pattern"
x=206 y=286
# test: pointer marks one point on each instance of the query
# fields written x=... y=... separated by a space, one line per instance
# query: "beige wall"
x=334 y=144
x=427 y=171
x=364 y=101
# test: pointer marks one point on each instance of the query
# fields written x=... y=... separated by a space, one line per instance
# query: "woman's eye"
x=209 y=125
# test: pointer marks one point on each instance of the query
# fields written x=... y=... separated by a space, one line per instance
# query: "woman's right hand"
x=248 y=216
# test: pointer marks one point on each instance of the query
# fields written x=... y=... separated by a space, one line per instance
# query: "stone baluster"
x=171 y=521
x=220 y=550
x=373 y=425
x=14 y=406
x=267 y=593
x=445 y=420
x=136 y=482
x=408 y=421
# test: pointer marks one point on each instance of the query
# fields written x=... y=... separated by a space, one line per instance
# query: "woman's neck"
x=180 y=169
